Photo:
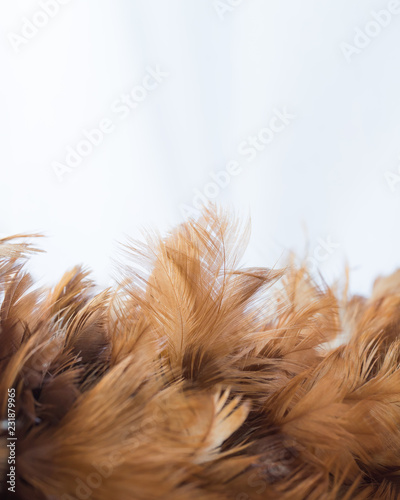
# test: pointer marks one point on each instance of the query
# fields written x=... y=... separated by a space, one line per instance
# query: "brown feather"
x=197 y=378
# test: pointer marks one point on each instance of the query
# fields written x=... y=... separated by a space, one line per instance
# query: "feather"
x=194 y=377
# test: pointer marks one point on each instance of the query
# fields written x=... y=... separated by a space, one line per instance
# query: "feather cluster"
x=197 y=379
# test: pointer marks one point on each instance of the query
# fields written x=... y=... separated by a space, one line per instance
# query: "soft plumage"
x=194 y=378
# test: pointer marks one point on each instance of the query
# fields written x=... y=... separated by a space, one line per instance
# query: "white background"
x=228 y=69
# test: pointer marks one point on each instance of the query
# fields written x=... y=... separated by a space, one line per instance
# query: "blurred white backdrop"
x=285 y=111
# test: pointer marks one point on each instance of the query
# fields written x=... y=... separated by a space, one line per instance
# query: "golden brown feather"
x=195 y=378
